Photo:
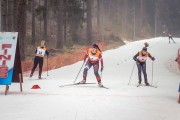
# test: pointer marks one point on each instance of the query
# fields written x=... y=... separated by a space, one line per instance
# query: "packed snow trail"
x=89 y=102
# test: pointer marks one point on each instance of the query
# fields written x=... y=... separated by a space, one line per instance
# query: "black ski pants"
x=142 y=67
x=37 y=60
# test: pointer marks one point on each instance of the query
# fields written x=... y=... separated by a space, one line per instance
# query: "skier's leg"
x=172 y=39
x=40 y=66
x=139 y=71
x=34 y=66
x=87 y=67
x=96 y=69
x=169 y=39
x=145 y=74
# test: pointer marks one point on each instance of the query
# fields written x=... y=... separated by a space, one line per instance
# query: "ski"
x=152 y=86
x=41 y=79
x=147 y=85
x=37 y=79
x=104 y=87
x=75 y=84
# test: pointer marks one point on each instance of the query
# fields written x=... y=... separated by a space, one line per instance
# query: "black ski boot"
x=31 y=75
x=147 y=84
x=39 y=77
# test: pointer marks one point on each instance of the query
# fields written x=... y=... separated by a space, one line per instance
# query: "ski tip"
x=104 y=87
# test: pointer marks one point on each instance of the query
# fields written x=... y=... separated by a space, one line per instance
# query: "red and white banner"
x=8 y=42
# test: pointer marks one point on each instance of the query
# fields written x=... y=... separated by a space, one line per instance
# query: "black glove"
x=175 y=60
x=102 y=68
x=153 y=58
x=135 y=59
x=47 y=53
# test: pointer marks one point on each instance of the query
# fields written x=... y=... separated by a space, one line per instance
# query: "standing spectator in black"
x=170 y=38
x=39 y=58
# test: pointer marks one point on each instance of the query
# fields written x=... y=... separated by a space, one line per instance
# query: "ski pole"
x=101 y=71
x=152 y=72
x=131 y=73
x=47 y=65
x=79 y=72
x=101 y=75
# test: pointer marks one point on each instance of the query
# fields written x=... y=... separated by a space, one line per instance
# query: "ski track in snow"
x=89 y=102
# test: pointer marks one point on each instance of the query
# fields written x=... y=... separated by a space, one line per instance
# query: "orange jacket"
x=93 y=57
x=142 y=58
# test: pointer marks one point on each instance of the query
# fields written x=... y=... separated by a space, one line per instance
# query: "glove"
x=47 y=53
x=175 y=60
x=135 y=59
x=102 y=68
x=153 y=58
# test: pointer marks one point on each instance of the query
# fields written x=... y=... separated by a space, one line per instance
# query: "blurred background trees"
x=64 y=23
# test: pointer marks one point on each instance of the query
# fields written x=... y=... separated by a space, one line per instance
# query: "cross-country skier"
x=170 y=38
x=146 y=44
x=140 y=59
x=93 y=57
x=164 y=34
x=39 y=58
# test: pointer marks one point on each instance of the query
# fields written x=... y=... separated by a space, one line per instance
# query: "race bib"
x=142 y=59
x=40 y=52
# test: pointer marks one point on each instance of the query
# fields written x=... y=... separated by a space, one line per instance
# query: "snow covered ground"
x=89 y=102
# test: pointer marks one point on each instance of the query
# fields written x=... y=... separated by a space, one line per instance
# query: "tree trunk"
x=4 y=16
x=10 y=17
x=125 y=18
x=98 y=15
x=59 y=44
x=89 y=22
x=45 y=19
x=21 y=25
x=40 y=30
x=134 y=29
x=141 y=21
x=33 y=22
x=110 y=13
x=65 y=22
x=142 y=16
x=15 y=12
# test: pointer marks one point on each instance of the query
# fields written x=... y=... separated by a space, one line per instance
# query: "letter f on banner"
x=5 y=56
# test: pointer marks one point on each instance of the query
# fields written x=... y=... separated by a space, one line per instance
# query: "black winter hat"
x=96 y=46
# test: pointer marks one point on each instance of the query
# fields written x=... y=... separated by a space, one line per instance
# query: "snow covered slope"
x=89 y=102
